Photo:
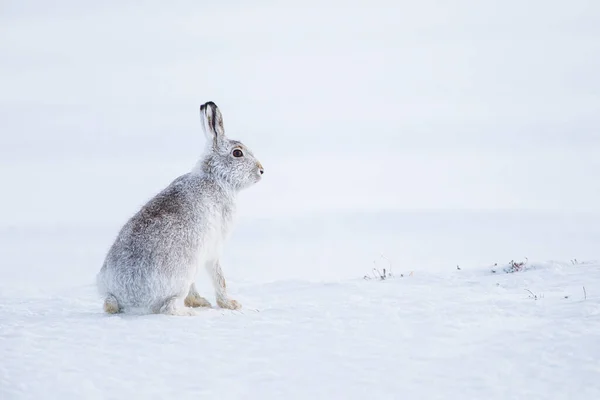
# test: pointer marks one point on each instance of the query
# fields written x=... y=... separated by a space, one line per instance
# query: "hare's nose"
x=262 y=171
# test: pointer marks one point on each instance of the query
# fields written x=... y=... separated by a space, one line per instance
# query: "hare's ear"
x=212 y=122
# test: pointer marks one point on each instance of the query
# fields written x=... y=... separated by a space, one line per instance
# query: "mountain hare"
x=153 y=262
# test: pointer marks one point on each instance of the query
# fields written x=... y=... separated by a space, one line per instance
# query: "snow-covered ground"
x=436 y=135
x=312 y=326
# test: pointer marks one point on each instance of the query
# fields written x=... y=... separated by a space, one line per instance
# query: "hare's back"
x=161 y=232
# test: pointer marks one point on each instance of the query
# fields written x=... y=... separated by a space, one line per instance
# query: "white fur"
x=153 y=263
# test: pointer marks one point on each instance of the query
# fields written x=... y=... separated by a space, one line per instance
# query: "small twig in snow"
x=389 y=263
x=584 y=294
x=533 y=295
x=381 y=275
x=494 y=268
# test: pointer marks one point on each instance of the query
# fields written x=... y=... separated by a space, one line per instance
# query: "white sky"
x=352 y=105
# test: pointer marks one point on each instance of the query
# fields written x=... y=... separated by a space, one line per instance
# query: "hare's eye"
x=238 y=153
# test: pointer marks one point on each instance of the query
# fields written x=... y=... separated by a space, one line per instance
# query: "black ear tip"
x=209 y=104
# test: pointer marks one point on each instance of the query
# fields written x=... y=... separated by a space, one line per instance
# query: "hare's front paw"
x=229 y=304
x=196 y=301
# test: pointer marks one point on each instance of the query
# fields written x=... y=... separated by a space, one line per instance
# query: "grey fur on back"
x=154 y=260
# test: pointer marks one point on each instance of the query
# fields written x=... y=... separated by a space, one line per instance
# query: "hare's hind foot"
x=111 y=305
x=196 y=301
x=193 y=299
x=171 y=307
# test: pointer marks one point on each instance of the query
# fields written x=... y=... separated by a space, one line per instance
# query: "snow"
x=311 y=326
x=437 y=136
x=424 y=336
